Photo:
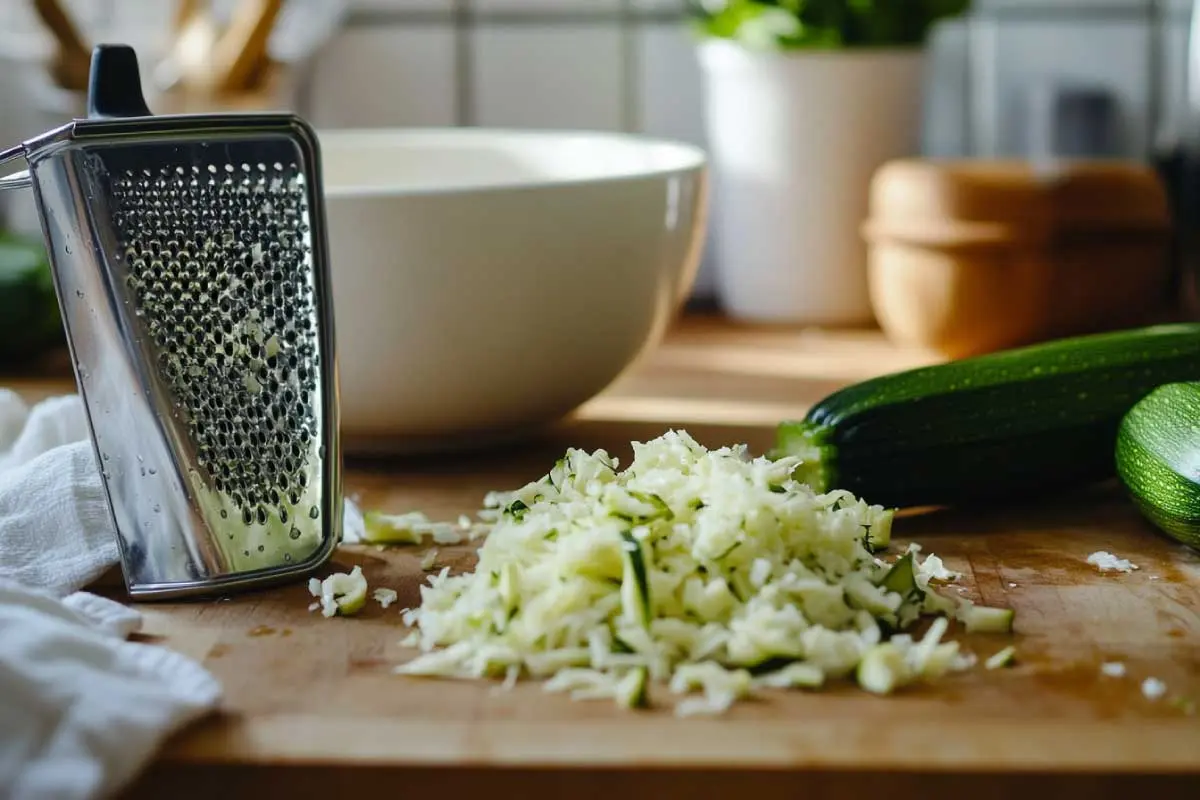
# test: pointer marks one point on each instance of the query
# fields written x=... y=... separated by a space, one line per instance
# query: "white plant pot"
x=794 y=140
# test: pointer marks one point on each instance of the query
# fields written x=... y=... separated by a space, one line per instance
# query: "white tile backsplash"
x=630 y=64
x=381 y=77
x=141 y=14
x=559 y=76
x=670 y=89
x=671 y=105
x=656 y=6
x=19 y=15
x=1029 y=54
x=1174 y=43
x=1135 y=5
x=542 y=6
x=945 y=129
x=399 y=5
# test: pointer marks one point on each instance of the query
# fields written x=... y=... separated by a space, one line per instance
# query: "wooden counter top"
x=312 y=708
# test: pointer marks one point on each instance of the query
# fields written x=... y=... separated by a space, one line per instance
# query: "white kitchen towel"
x=84 y=709
x=55 y=530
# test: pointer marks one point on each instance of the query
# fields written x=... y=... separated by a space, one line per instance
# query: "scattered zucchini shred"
x=1185 y=704
x=415 y=528
x=708 y=571
x=985 y=619
x=1004 y=658
x=341 y=593
x=429 y=559
x=385 y=597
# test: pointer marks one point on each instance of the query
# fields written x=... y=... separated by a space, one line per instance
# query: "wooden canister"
x=972 y=256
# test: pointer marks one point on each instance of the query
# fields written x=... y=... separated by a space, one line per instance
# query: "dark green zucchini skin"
x=1158 y=459
x=1010 y=425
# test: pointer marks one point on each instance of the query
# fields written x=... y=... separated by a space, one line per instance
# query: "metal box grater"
x=189 y=257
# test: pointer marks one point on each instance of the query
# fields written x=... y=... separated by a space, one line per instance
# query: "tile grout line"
x=369 y=17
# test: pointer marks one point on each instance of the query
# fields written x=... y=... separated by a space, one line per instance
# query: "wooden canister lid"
x=989 y=202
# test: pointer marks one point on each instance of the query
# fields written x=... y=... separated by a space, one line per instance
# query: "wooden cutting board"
x=312 y=707
x=303 y=689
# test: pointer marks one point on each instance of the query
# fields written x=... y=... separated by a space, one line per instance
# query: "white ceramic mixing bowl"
x=488 y=282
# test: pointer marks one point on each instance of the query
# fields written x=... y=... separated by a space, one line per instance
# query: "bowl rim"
x=692 y=158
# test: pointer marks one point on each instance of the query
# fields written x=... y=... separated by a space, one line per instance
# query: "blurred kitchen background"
x=1030 y=81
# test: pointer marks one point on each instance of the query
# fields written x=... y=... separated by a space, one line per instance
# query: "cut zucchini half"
x=1158 y=459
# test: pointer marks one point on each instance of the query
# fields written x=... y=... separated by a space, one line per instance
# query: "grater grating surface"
x=220 y=268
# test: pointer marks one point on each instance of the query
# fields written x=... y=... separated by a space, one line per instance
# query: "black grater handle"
x=115 y=83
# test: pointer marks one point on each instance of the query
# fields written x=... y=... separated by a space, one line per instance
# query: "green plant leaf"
x=822 y=24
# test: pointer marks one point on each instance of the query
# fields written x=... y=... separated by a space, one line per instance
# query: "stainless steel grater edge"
x=190 y=259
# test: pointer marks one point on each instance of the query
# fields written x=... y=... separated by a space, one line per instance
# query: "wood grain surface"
x=312 y=707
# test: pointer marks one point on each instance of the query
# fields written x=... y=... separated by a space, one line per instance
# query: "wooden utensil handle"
x=60 y=24
x=242 y=49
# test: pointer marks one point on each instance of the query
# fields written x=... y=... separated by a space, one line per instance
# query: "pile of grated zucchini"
x=708 y=571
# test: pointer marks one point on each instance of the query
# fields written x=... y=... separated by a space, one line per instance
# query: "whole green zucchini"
x=1007 y=425
x=1158 y=459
